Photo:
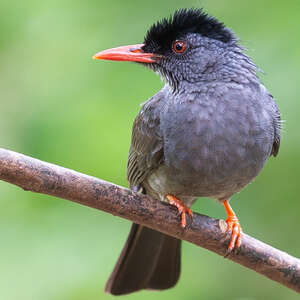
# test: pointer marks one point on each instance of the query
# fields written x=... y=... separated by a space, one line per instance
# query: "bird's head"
x=190 y=46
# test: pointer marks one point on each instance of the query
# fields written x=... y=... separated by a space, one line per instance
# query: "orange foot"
x=233 y=225
x=181 y=207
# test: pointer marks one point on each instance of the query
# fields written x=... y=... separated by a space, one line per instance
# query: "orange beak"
x=127 y=53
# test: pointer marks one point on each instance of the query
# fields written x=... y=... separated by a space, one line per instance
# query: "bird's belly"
x=212 y=163
x=211 y=175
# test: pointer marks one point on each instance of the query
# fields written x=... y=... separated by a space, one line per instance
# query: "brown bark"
x=41 y=177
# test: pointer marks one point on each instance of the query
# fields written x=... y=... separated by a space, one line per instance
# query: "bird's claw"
x=181 y=207
x=233 y=225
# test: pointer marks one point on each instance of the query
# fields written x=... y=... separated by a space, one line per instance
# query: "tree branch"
x=41 y=177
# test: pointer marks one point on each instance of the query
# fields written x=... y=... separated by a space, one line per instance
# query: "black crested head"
x=185 y=21
x=192 y=47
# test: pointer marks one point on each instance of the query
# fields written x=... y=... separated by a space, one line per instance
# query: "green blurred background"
x=59 y=105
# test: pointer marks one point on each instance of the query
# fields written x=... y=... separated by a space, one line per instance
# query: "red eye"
x=179 y=46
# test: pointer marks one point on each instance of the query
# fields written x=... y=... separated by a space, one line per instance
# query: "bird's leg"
x=233 y=224
x=181 y=207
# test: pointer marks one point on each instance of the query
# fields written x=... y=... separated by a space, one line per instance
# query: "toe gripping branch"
x=181 y=207
x=233 y=225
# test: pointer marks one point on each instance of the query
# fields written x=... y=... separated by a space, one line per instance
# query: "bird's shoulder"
x=270 y=105
x=277 y=125
x=146 y=150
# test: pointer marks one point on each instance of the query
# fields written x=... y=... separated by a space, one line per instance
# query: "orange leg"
x=181 y=207
x=233 y=224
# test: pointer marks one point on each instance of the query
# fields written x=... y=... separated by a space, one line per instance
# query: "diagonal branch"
x=41 y=177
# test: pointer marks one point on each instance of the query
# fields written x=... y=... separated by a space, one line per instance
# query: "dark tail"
x=149 y=260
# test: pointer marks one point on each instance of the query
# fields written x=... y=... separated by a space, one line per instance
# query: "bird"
x=207 y=133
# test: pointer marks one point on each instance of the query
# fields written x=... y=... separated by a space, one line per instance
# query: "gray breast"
x=215 y=141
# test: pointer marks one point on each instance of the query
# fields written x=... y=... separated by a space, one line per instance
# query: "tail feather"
x=149 y=260
x=167 y=270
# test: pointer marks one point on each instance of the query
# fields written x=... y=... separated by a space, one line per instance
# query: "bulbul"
x=207 y=133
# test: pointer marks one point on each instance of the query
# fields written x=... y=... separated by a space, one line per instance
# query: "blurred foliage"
x=59 y=105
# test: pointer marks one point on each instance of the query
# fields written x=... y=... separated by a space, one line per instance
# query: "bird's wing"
x=277 y=127
x=146 y=151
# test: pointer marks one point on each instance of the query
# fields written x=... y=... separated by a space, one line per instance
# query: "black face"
x=188 y=42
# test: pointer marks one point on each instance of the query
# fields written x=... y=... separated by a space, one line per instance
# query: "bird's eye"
x=179 y=46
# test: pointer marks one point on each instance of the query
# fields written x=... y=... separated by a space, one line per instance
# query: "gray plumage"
x=207 y=133
x=212 y=134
